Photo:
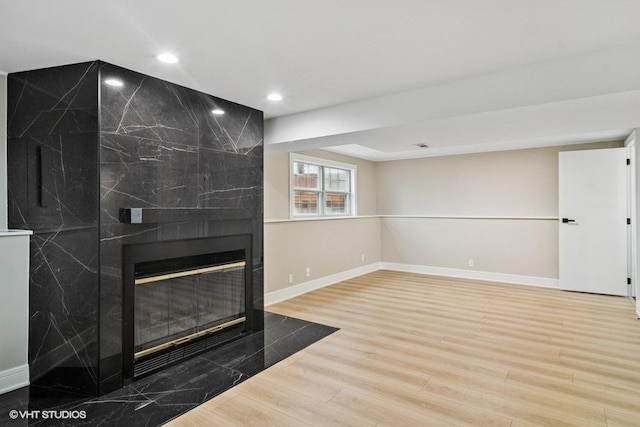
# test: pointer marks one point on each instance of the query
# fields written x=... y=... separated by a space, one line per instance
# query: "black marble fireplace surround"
x=93 y=168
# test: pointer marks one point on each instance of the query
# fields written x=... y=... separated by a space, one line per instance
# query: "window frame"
x=322 y=164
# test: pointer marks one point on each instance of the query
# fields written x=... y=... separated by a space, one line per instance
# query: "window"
x=321 y=187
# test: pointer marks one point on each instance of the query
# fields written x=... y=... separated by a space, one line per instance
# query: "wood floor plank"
x=508 y=404
x=592 y=394
x=306 y=408
x=382 y=411
x=621 y=419
x=511 y=400
x=305 y=383
x=245 y=411
x=199 y=417
x=426 y=350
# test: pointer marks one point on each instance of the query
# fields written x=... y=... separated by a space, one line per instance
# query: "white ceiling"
x=368 y=77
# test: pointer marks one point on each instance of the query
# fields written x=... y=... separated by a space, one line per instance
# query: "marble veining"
x=153 y=400
x=78 y=151
x=58 y=101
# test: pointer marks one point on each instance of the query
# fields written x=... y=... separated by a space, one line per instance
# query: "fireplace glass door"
x=177 y=307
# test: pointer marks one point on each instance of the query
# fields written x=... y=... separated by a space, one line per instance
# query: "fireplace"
x=94 y=169
x=183 y=297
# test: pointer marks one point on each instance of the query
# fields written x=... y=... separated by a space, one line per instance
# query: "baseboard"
x=14 y=378
x=516 y=279
x=302 y=288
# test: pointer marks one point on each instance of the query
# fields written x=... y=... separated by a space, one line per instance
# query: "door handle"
x=567 y=220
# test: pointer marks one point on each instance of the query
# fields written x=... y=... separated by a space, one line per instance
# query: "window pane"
x=306 y=175
x=306 y=203
x=336 y=204
x=336 y=179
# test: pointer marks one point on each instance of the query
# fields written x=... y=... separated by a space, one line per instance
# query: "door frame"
x=632 y=201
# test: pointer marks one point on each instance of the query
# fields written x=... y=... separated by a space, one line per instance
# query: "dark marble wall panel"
x=53 y=101
x=162 y=147
x=230 y=180
x=52 y=153
x=239 y=130
x=136 y=172
x=53 y=179
x=63 y=307
x=147 y=108
x=258 y=297
x=80 y=150
x=181 y=230
x=69 y=258
x=68 y=348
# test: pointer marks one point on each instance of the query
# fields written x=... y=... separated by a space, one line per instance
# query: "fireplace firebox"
x=183 y=297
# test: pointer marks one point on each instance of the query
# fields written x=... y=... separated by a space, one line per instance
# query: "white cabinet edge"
x=14 y=378
x=9 y=233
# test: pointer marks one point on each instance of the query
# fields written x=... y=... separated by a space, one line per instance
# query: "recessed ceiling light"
x=218 y=112
x=114 y=82
x=167 y=58
x=274 y=96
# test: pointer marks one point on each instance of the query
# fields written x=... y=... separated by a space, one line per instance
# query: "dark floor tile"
x=159 y=397
x=236 y=351
x=277 y=326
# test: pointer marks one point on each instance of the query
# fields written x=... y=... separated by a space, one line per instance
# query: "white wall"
x=428 y=215
x=14 y=310
x=507 y=183
x=14 y=280
x=329 y=247
x=507 y=247
x=497 y=209
x=3 y=152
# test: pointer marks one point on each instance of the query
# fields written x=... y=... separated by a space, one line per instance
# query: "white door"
x=593 y=221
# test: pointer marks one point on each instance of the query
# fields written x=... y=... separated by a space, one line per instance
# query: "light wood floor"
x=422 y=350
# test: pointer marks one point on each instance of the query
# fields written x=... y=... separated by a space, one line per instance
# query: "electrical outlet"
x=308 y=271
x=471 y=262
x=362 y=257
x=290 y=278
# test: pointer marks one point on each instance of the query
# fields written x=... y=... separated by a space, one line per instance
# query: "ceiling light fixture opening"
x=274 y=96
x=167 y=58
x=114 y=82
x=217 y=111
x=422 y=145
